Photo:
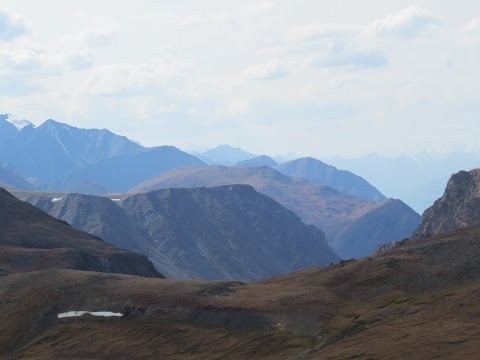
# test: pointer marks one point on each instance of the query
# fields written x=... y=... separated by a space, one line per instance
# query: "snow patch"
x=71 y=314
x=18 y=123
x=54 y=200
x=115 y=199
x=54 y=132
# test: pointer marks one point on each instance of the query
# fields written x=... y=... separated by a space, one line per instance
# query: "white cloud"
x=20 y=59
x=102 y=36
x=12 y=25
x=408 y=23
x=316 y=32
x=470 y=32
x=472 y=27
x=133 y=79
x=360 y=60
x=272 y=70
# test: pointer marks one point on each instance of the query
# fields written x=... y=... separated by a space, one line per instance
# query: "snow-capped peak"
x=18 y=123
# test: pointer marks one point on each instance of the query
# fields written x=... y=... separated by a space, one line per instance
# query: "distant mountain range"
x=57 y=157
x=416 y=179
x=228 y=232
x=317 y=172
x=262 y=160
x=316 y=204
x=225 y=155
x=62 y=157
x=31 y=240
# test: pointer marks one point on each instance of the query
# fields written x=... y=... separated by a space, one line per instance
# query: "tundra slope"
x=420 y=299
x=31 y=240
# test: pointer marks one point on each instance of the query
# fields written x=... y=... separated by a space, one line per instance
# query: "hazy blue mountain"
x=7 y=129
x=227 y=232
x=60 y=157
x=225 y=155
x=10 y=179
x=262 y=160
x=391 y=220
x=120 y=173
x=52 y=150
x=316 y=171
x=418 y=180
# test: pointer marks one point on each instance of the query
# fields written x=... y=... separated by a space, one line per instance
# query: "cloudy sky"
x=320 y=78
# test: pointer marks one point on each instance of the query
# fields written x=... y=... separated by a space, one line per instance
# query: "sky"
x=320 y=78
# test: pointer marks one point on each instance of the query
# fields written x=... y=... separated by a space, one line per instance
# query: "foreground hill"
x=316 y=171
x=458 y=208
x=227 y=232
x=418 y=301
x=31 y=240
x=316 y=204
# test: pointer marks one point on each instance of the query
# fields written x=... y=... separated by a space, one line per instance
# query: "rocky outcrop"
x=458 y=208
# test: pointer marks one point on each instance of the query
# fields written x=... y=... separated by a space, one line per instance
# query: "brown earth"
x=418 y=301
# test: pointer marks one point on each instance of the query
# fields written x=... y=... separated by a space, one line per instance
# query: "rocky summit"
x=458 y=208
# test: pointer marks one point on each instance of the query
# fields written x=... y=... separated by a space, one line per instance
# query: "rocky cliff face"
x=32 y=240
x=225 y=232
x=458 y=208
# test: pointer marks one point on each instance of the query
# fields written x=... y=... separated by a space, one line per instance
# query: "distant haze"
x=343 y=78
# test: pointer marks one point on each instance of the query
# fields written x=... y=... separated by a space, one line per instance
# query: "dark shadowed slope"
x=316 y=171
x=229 y=232
x=418 y=301
x=316 y=204
x=33 y=240
x=458 y=208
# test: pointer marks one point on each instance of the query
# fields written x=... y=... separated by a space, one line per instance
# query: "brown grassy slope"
x=33 y=240
x=419 y=301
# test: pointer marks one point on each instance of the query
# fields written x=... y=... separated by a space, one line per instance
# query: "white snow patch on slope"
x=54 y=133
x=18 y=123
x=70 y=314
x=115 y=199
x=54 y=200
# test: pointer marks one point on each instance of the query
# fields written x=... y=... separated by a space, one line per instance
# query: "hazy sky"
x=314 y=77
